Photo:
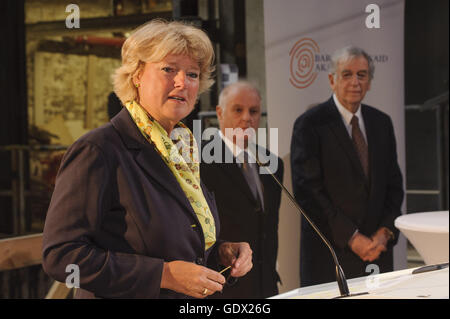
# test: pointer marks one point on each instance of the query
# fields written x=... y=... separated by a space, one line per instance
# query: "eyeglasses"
x=230 y=281
x=362 y=77
x=225 y=269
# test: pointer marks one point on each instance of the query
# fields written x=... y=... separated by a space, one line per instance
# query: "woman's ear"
x=137 y=80
x=138 y=74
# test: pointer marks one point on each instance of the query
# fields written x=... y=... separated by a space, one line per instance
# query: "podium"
x=402 y=284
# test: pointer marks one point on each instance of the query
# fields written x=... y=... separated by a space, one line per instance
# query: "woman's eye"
x=167 y=69
x=192 y=75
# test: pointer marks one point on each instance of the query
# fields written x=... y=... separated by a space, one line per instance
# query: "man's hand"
x=237 y=255
x=369 y=249
x=364 y=247
x=380 y=238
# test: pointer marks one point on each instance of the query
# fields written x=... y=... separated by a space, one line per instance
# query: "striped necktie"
x=360 y=145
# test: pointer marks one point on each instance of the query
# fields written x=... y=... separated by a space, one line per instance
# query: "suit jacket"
x=118 y=213
x=243 y=220
x=329 y=183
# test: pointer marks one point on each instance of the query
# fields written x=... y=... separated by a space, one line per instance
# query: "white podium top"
x=431 y=222
x=402 y=284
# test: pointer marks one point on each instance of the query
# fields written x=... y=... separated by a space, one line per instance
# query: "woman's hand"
x=238 y=256
x=191 y=279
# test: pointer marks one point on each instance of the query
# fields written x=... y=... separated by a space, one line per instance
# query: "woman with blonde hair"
x=129 y=209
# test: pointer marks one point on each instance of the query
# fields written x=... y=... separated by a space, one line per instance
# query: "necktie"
x=250 y=172
x=360 y=145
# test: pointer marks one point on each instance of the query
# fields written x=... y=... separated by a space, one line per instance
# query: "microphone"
x=340 y=276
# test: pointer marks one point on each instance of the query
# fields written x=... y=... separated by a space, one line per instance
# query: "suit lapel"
x=372 y=143
x=148 y=158
x=338 y=128
x=233 y=171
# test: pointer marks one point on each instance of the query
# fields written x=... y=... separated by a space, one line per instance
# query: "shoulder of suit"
x=315 y=115
x=104 y=138
x=100 y=134
x=375 y=113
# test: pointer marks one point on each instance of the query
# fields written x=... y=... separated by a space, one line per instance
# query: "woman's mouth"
x=177 y=98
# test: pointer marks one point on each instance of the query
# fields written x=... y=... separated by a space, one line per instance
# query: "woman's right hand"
x=191 y=279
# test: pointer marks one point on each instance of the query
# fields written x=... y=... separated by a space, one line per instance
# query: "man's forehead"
x=242 y=105
x=244 y=97
x=358 y=63
x=240 y=92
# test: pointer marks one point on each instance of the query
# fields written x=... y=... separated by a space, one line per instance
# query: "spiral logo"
x=302 y=63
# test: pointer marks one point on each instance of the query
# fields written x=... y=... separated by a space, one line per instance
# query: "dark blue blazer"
x=118 y=213
x=243 y=219
x=329 y=183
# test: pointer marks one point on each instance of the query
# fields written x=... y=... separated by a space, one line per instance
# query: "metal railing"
x=19 y=191
x=440 y=105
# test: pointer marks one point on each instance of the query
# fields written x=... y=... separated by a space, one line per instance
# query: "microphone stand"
x=340 y=276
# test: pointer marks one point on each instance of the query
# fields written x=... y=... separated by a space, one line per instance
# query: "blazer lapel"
x=338 y=128
x=148 y=158
x=233 y=171
x=372 y=143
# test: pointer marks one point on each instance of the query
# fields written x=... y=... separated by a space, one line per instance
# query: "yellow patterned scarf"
x=182 y=159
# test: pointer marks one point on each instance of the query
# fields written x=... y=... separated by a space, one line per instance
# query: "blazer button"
x=199 y=261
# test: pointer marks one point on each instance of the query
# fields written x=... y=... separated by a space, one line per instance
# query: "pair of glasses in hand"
x=230 y=281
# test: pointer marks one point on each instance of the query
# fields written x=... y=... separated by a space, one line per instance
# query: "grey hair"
x=348 y=53
x=233 y=87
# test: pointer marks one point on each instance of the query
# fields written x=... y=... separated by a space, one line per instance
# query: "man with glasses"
x=346 y=176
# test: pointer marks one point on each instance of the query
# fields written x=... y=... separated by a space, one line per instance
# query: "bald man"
x=248 y=201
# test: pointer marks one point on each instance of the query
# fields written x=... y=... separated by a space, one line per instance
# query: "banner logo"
x=302 y=62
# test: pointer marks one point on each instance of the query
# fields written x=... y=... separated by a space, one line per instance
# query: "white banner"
x=300 y=36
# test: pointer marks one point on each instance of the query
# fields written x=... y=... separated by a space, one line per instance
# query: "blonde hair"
x=152 y=42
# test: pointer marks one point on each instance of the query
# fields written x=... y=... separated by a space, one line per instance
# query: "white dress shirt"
x=238 y=154
x=347 y=117
x=236 y=150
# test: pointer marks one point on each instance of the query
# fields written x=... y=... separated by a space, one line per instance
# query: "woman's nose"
x=180 y=79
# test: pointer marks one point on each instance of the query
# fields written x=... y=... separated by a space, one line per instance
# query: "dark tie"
x=250 y=171
x=360 y=145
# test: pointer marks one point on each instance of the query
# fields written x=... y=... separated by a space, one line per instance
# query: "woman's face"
x=168 y=89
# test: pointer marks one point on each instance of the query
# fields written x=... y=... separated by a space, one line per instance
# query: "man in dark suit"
x=346 y=176
x=247 y=204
